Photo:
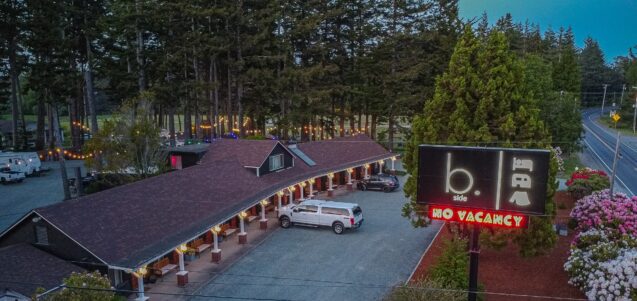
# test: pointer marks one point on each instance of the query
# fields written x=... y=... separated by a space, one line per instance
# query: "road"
x=303 y=263
x=600 y=141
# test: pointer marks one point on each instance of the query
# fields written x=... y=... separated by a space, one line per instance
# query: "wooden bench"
x=199 y=246
x=227 y=231
x=251 y=218
x=163 y=267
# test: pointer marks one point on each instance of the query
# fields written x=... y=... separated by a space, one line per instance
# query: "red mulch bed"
x=504 y=271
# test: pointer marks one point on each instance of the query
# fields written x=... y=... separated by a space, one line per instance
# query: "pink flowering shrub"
x=603 y=257
x=596 y=210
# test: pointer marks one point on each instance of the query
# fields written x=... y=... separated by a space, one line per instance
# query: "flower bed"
x=603 y=258
x=584 y=181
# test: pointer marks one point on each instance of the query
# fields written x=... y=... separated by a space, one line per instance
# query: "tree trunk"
x=14 y=92
x=341 y=122
x=57 y=140
x=242 y=132
x=39 y=134
x=230 y=120
x=171 y=125
x=187 y=121
x=216 y=98
x=90 y=94
x=373 y=129
x=390 y=131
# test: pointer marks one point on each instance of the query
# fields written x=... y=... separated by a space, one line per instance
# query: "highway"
x=599 y=142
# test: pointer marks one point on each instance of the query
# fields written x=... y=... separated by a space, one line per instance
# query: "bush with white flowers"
x=603 y=258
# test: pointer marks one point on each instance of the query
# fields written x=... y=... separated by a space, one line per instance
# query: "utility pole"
x=604 y=99
x=613 y=172
x=635 y=111
x=621 y=99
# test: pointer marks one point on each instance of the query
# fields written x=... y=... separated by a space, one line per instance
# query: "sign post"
x=494 y=187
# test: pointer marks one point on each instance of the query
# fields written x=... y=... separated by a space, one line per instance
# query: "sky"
x=613 y=23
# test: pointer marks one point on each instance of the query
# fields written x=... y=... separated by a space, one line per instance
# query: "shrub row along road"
x=599 y=141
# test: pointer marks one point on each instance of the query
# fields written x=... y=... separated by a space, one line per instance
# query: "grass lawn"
x=624 y=126
x=570 y=163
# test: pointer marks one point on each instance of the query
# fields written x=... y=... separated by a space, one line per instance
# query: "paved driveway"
x=303 y=263
x=19 y=198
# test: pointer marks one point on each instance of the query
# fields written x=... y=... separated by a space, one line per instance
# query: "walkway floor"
x=202 y=270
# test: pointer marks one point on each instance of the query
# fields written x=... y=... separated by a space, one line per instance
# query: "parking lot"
x=304 y=263
x=19 y=198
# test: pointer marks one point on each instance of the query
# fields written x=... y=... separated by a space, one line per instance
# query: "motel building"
x=148 y=227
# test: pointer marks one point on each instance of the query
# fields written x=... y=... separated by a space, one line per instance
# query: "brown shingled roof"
x=24 y=268
x=128 y=226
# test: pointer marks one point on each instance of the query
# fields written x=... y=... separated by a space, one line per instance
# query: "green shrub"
x=452 y=268
x=425 y=289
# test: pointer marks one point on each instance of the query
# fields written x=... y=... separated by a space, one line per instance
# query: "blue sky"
x=613 y=23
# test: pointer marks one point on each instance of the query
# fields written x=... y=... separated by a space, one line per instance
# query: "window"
x=308 y=209
x=276 y=162
x=41 y=235
x=335 y=211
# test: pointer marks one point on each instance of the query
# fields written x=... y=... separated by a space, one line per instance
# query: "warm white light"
x=183 y=248
x=243 y=214
x=142 y=271
x=264 y=202
x=312 y=181
x=216 y=229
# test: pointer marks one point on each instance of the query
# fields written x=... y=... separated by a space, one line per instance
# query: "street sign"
x=615 y=117
x=493 y=179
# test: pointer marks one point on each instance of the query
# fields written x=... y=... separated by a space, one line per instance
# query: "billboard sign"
x=492 y=179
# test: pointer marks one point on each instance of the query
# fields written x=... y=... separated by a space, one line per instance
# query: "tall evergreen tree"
x=480 y=100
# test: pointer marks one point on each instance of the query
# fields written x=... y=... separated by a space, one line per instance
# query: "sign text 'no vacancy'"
x=488 y=182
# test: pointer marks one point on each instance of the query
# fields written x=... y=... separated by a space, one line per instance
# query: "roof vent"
x=297 y=151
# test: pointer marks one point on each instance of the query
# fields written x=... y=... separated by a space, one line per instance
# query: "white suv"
x=337 y=215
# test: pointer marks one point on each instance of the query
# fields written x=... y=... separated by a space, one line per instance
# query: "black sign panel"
x=485 y=178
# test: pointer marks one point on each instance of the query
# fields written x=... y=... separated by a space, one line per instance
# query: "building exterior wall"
x=287 y=160
x=58 y=243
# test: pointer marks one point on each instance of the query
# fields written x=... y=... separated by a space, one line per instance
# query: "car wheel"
x=387 y=189
x=3 y=181
x=285 y=222
x=338 y=227
x=363 y=187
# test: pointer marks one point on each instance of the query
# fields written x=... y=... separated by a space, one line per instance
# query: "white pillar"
x=263 y=212
x=349 y=177
x=301 y=188
x=329 y=183
x=311 y=188
x=380 y=166
x=366 y=174
x=291 y=196
x=181 y=261
x=278 y=196
x=241 y=227
x=393 y=161
x=215 y=241
x=140 y=285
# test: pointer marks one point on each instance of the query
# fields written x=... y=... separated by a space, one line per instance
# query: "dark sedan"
x=383 y=182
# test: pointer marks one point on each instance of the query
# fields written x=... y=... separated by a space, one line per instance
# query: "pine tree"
x=480 y=100
x=594 y=71
x=566 y=73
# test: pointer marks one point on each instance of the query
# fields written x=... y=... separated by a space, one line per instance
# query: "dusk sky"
x=613 y=23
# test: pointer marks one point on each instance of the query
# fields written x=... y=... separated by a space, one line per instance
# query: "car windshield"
x=357 y=210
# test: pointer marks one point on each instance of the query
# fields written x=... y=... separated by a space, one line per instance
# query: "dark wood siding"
x=58 y=243
x=278 y=149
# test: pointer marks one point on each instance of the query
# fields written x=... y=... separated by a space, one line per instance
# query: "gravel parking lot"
x=19 y=198
x=304 y=263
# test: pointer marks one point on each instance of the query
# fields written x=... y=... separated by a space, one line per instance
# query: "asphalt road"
x=600 y=142
x=19 y=198
x=304 y=263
